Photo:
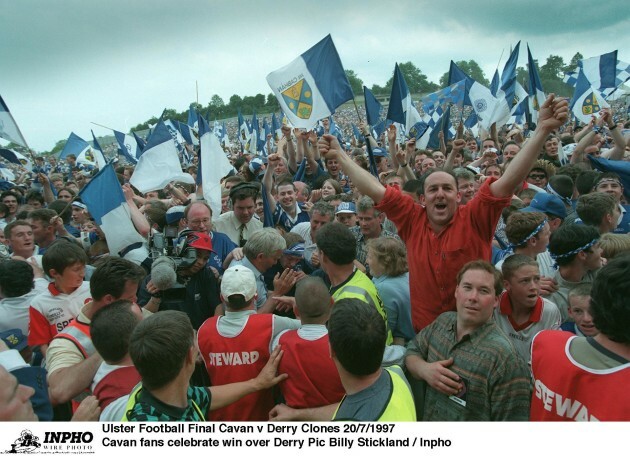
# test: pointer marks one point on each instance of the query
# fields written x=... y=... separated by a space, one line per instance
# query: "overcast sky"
x=66 y=63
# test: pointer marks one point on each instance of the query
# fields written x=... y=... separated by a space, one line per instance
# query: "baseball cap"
x=174 y=214
x=547 y=203
x=346 y=207
x=238 y=280
x=199 y=240
x=14 y=339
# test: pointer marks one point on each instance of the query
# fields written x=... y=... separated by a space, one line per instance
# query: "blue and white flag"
x=601 y=71
x=480 y=97
x=9 y=129
x=334 y=130
x=443 y=124
x=402 y=109
x=74 y=145
x=505 y=93
x=536 y=94
x=127 y=146
x=586 y=100
x=520 y=107
x=213 y=166
x=97 y=153
x=106 y=203
x=178 y=139
x=452 y=94
x=601 y=65
x=159 y=163
x=192 y=117
x=15 y=157
x=312 y=86
x=374 y=112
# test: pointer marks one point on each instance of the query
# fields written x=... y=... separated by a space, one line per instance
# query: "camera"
x=173 y=245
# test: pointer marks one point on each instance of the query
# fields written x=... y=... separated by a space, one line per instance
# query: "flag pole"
x=197 y=89
x=357 y=109
x=103 y=126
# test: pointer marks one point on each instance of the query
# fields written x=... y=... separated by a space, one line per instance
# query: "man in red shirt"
x=441 y=236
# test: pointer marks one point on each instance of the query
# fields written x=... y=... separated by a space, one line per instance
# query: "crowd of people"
x=344 y=279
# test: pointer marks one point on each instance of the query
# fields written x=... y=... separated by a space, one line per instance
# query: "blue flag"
x=374 y=112
x=494 y=85
x=452 y=94
x=141 y=143
x=74 y=145
x=312 y=86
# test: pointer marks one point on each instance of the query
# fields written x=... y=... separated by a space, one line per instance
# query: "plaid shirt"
x=497 y=381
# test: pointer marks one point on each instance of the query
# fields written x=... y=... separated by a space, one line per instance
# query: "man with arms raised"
x=440 y=235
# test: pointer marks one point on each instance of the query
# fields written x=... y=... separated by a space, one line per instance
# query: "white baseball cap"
x=238 y=280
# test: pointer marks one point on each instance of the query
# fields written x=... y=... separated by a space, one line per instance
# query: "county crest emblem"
x=299 y=99
x=590 y=105
x=480 y=105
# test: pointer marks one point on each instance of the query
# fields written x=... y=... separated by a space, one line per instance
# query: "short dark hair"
x=16 y=278
x=568 y=238
x=237 y=302
x=593 y=207
x=357 y=336
x=59 y=206
x=413 y=186
x=243 y=191
x=585 y=182
x=159 y=346
x=484 y=266
x=61 y=254
x=35 y=195
x=337 y=242
x=112 y=275
x=111 y=328
x=610 y=297
x=43 y=215
x=514 y=262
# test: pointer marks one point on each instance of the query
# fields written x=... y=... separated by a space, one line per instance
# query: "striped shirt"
x=496 y=379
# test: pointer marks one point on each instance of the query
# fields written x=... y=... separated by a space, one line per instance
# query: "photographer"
x=183 y=282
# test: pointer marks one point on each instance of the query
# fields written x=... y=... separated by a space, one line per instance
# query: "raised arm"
x=267 y=181
x=391 y=143
x=286 y=132
x=403 y=159
x=362 y=179
x=617 y=152
x=553 y=113
x=458 y=145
